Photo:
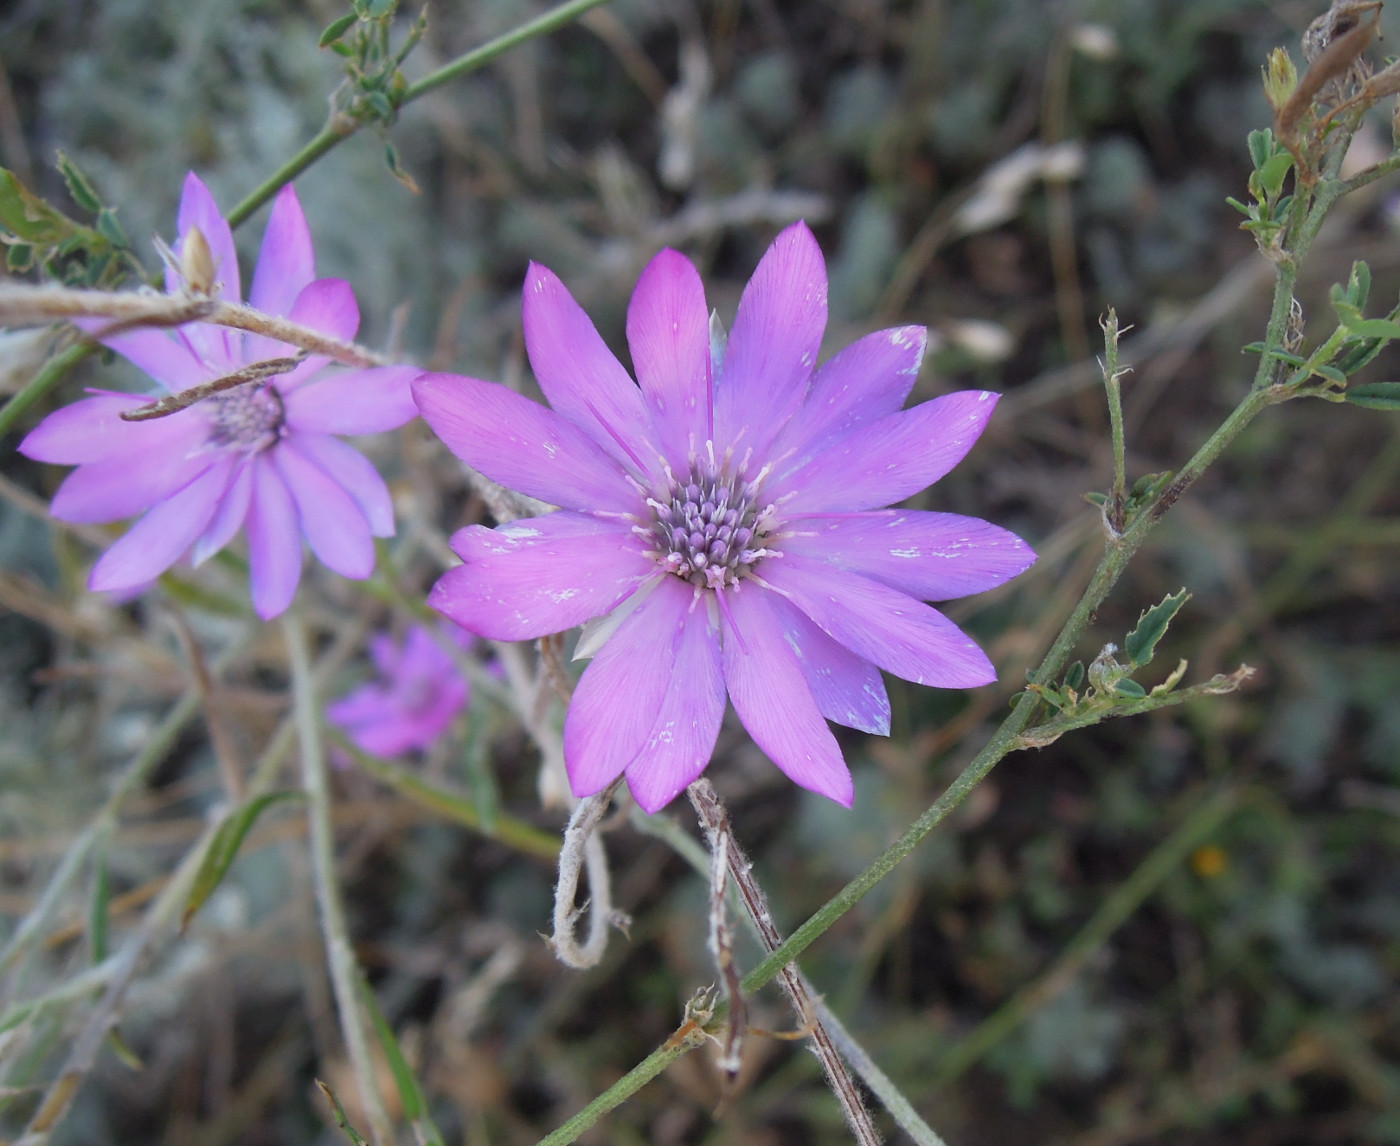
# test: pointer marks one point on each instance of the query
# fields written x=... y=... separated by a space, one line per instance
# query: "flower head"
x=728 y=515
x=419 y=692
x=262 y=456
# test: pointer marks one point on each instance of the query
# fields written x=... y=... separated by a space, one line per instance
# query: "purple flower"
x=262 y=456
x=728 y=514
x=419 y=692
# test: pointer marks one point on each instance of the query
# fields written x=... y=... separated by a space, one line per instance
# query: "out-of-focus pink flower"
x=728 y=514
x=419 y=692
x=263 y=456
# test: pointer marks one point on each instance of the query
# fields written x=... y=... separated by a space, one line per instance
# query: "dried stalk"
x=583 y=850
x=715 y=820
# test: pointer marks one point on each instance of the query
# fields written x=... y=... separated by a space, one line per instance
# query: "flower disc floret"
x=723 y=519
x=249 y=418
x=711 y=528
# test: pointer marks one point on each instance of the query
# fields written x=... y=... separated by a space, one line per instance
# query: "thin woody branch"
x=24 y=305
x=714 y=818
x=174 y=403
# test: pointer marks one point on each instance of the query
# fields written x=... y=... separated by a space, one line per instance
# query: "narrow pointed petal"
x=228 y=518
x=157 y=541
x=287 y=261
x=931 y=556
x=523 y=445
x=198 y=209
x=582 y=379
x=668 y=331
x=274 y=542
x=354 y=402
x=539 y=575
x=896 y=632
x=775 y=341
x=165 y=355
x=124 y=484
x=869 y=379
x=88 y=430
x=333 y=524
x=615 y=705
x=848 y=689
x=890 y=459
x=355 y=473
x=682 y=738
x=770 y=694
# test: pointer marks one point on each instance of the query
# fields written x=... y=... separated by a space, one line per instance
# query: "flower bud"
x=1280 y=78
x=197 y=262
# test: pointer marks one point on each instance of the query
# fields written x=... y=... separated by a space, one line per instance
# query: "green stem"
x=1113 y=384
x=1112 y=913
x=50 y=375
x=507 y=829
x=623 y=1089
x=334 y=131
x=340 y=127
x=480 y=57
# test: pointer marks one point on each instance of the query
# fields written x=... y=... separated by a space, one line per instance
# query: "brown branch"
x=184 y=399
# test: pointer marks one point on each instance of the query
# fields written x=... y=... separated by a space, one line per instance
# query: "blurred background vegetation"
x=1001 y=170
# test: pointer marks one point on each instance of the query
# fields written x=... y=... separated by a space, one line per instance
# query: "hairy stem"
x=340 y=956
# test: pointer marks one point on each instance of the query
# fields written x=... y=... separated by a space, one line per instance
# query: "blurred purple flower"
x=419 y=692
x=262 y=456
x=729 y=512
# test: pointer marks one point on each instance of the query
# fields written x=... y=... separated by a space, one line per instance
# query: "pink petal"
x=354 y=472
x=156 y=542
x=333 y=524
x=615 y=705
x=274 y=542
x=668 y=330
x=198 y=209
x=931 y=556
x=215 y=346
x=163 y=354
x=682 y=738
x=126 y=483
x=286 y=262
x=539 y=575
x=847 y=688
x=887 y=460
x=579 y=375
x=86 y=431
x=896 y=632
x=522 y=445
x=775 y=341
x=327 y=305
x=770 y=694
x=869 y=379
x=228 y=518
x=354 y=402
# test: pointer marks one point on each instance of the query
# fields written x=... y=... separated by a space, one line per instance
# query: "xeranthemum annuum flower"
x=261 y=456
x=727 y=514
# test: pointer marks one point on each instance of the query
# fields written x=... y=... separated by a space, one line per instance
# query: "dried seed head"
x=197 y=263
x=1280 y=78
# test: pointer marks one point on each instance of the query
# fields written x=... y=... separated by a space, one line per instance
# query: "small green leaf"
x=1375 y=395
x=110 y=229
x=1151 y=626
x=224 y=848
x=341 y=1120
x=19 y=257
x=28 y=217
x=1359 y=284
x=1130 y=688
x=415 y=1106
x=1261 y=146
x=1074 y=676
x=1355 y=355
x=1273 y=172
x=1096 y=498
x=82 y=191
x=122 y=1049
x=1240 y=207
x=1331 y=373
x=337 y=29
x=98 y=913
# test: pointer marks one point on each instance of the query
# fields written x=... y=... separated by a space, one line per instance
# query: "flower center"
x=249 y=418
x=711 y=528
